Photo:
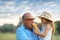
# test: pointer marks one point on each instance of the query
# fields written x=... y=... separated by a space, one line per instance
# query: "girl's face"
x=43 y=20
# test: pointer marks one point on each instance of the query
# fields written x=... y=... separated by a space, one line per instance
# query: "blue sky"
x=19 y=5
x=13 y=9
x=52 y=5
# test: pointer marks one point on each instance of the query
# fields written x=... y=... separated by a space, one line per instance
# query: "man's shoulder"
x=20 y=28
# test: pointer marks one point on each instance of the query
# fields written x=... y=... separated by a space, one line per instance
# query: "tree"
x=57 y=24
x=8 y=28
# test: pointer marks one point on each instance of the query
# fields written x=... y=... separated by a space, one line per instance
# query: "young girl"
x=45 y=32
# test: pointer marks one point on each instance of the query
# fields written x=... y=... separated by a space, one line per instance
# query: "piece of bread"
x=35 y=27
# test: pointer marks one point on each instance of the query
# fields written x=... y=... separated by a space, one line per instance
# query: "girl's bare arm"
x=42 y=34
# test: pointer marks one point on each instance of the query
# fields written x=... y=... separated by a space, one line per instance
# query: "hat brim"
x=44 y=17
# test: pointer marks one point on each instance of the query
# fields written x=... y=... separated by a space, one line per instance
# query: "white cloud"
x=9 y=21
x=47 y=3
x=21 y=9
x=14 y=20
x=9 y=3
x=24 y=2
x=53 y=5
x=8 y=15
x=7 y=9
x=56 y=17
x=1 y=7
x=8 y=6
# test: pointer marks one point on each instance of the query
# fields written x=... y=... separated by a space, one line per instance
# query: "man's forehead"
x=28 y=15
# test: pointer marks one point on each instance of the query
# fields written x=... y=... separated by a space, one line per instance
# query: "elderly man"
x=25 y=31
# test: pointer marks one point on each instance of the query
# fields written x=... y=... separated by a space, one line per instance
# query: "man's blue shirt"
x=22 y=33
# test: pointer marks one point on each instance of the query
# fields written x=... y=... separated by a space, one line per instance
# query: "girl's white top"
x=49 y=34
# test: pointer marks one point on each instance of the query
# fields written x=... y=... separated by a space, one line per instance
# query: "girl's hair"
x=52 y=25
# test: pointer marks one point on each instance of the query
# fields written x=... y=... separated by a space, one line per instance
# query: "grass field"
x=12 y=36
x=7 y=36
x=56 y=37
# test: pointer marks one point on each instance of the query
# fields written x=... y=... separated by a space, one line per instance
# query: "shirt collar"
x=27 y=28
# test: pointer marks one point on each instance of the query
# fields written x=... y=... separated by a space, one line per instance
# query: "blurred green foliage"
x=12 y=28
x=8 y=28
x=57 y=27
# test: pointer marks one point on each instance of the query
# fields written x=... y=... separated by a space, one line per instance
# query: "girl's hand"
x=36 y=32
x=35 y=27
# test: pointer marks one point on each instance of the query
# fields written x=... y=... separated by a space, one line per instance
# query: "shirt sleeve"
x=21 y=35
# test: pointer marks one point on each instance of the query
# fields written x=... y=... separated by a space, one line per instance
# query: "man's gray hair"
x=24 y=16
x=21 y=19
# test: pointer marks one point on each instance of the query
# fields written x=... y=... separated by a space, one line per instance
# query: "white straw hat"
x=46 y=15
